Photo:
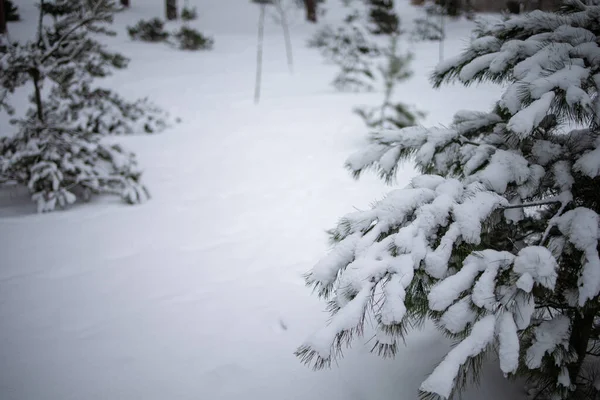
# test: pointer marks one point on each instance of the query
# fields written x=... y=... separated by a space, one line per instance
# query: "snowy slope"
x=198 y=293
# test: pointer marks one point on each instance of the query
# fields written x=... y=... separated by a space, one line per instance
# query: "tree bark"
x=125 y=3
x=35 y=75
x=311 y=10
x=2 y=18
x=171 y=9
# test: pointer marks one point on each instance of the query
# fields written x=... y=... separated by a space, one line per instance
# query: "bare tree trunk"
x=259 y=52
x=171 y=9
x=443 y=29
x=311 y=10
x=579 y=340
x=2 y=18
x=35 y=75
x=125 y=3
x=286 y=35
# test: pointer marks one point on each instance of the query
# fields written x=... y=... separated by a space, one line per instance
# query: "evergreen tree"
x=383 y=18
x=352 y=47
x=391 y=114
x=497 y=241
x=171 y=9
x=58 y=151
x=356 y=47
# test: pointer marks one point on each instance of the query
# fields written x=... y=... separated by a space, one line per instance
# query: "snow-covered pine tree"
x=351 y=46
x=57 y=150
x=383 y=17
x=394 y=69
x=497 y=241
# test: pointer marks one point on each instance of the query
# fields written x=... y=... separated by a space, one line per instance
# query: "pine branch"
x=94 y=16
x=533 y=204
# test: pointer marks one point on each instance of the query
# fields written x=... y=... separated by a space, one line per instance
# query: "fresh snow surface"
x=198 y=294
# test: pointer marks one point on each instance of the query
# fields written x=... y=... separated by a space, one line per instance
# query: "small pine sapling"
x=391 y=114
x=191 y=39
x=152 y=30
x=171 y=10
x=383 y=20
x=351 y=47
x=189 y=13
x=393 y=70
x=58 y=150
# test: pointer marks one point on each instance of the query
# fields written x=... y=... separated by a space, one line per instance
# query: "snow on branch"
x=497 y=240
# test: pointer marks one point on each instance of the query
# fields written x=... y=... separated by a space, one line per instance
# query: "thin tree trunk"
x=171 y=9
x=286 y=35
x=311 y=10
x=2 y=18
x=125 y=3
x=443 y=29
x=579 y=340
x=259 y=52
x=35 y=75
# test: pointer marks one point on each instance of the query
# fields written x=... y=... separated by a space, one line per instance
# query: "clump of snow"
x=366 y=156
x=547 y=58
x=393 y=308
x=532 y=184
x=389 y=160
x=481 y=63
x=444 y=66
x=427 y=181
x=562 y=175
x=545 y=151
x=525 y=282
x=436 y=262
x=474 y=157
x=565 y=78
x=484 y=295
x=441 y=380
x=514 y=214
x=326 y=270
x=580 y=226
x=348 y=317
x=509 y=343
x=511 y=98
x=539 y=263
x=445 y=292
x=436 y=138
x=563 y=378
x=459 y=315
x=524 y=121
x=547 y=337
x=465 y=121
x=486 y=43
x=504 y=167
x=589 y=163
x=473 y=211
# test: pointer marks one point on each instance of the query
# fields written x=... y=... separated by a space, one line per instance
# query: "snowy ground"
x=198 y=293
